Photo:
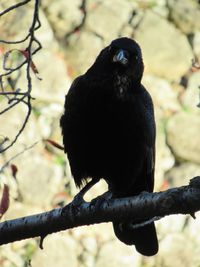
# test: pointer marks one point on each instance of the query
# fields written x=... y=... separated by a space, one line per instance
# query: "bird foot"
x=144 y=193
x=78 y=199
x=98 y=201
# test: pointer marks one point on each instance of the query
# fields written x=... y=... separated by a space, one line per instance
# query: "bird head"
x=122 y=57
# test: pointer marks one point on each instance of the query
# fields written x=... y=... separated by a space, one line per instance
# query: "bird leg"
x=79 y=197
x=143 y=223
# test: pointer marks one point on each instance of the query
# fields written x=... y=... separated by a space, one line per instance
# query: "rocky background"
x=72 y=34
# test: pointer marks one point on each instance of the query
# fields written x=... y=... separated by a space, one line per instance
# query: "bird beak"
x=121 y=57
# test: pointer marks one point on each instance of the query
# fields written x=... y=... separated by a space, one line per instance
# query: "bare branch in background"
x=15 y=156
x=16 y=96
x=146 y=207
x=13 y=7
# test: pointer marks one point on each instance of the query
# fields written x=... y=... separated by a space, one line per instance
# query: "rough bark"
x=144 y=207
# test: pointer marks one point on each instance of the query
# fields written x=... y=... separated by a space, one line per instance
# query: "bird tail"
x=144 y=238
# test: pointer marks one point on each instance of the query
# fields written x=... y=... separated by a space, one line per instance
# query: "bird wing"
x=71 y=124
x=150 y=135
x=72 y=110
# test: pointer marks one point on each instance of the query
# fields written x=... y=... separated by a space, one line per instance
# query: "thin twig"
x=15 y=42
x=11 y=106
x=16 y=156
x=12 y=93
x=21 y=129
x=19 y=97
x=13 y=7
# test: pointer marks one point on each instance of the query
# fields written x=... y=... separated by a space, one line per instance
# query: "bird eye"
x=136 y=57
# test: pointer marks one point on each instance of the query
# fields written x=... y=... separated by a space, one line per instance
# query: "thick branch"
x=182 y=200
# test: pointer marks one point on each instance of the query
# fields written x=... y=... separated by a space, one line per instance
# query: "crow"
x=109 y=132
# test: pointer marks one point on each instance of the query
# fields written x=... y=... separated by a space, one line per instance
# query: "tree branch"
x=19 y=97
x=182 y=200
x=14 y=7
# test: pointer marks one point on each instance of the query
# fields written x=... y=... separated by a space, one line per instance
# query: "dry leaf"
x=4 y=204
x=53 y=143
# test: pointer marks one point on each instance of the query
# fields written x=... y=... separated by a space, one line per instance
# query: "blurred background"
x=72 y=34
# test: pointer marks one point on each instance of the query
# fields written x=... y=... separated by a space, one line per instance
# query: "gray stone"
x=15 y=24
x=185 y=14
x=176 y=250
x=192 y=232
x=103 y=17
x=157 y=6
x=87 y=259
x=10 y=257
x=183 y=136
x=89 y=244
x=49 y=121
x=164 y=97
x=102 y=233
x=55 y=81
x=12 y=122
x=175 y=245
x=63 y=16
x=166 y=50
x=137 y=18
x=38 y=178
x=160 y=7
x=116 y=254
x=45 y=34
x=127 y=30
x=173 y=224
x=181 y=175
x=59 y=250
x=82 y=50
x=51 y=91
x=164 y=157
x=191 y=97
x=17 y=210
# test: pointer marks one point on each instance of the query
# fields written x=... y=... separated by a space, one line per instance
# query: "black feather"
x=108 y=131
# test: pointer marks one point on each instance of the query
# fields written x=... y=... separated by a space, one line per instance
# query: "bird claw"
x=144 y=193
x=193 y=215
x=78 y=199
x=98 y=201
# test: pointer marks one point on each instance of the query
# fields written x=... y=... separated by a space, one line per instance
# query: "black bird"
x=108 y=131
